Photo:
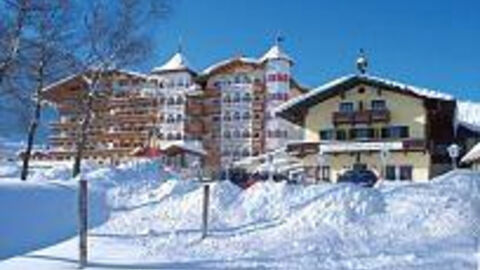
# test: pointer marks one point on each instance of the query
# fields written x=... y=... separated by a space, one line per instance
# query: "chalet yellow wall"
x=404 y=110
x=339 y=163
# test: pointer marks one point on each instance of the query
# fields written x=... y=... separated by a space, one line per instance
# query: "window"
x=246 y=152
x=390 y=172
x=362 y=133
x=246 y=115
x=327 y=134
x=324 y=172
x=227 y=117
x=341 y=135
x=237 y=97
x=171 y=101
x=179 y=100
x=236 y=116
x=237 y=79
x=346 y=107
x=406 y=172
x=227 y=98
x=247 y=97
x=236 y=134
x=180 y=83
x=246 y=133
x=359 y=166
x=378 y=105
x=395 y=132
x=227 y=134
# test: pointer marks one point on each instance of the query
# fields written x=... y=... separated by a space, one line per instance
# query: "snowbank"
x=155 y=224
x=42 y=211
x=35 y=215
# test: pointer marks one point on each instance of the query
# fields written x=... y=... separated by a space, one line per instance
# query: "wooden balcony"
x=258 y=105
x=195 y=108
x=414 y=144
x=213 y=109
x=195 y=127
x=361 y=117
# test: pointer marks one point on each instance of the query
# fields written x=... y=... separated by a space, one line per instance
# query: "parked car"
x=362 y=177
x=241 y=178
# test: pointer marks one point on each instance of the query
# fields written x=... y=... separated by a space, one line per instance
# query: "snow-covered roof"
x=472 y=155
x=133 y=73
x=275 y=52
x=468 y=115
x=247 y=60
x=410 y=88
x=59 y=82
x=362 y=78
x=178 y=62
x=73 y=76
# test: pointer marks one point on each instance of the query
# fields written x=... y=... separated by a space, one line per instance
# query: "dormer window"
x=346 y=107
x=378 y=105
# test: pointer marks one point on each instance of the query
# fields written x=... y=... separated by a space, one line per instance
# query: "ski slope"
x=154 y=223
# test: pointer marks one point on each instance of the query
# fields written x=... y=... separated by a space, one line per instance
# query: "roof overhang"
x=291 y=110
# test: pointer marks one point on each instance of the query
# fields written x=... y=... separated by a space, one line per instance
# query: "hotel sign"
x=360 y=146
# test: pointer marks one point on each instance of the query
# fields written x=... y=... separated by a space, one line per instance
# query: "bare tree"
x=111 y=37
x=14 y=14
x=42 y=61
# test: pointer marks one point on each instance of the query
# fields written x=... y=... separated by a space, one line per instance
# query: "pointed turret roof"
x=276 y=52
x=178 y=62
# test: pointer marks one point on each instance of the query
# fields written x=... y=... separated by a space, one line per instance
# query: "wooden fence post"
x=82 y=222
x=206 y=199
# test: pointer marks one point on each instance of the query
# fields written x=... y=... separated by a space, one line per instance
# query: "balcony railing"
x=361 y=117
x=194 y=127
x=195 y=108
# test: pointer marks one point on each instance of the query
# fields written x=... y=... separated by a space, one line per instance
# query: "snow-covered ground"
x=154 y=223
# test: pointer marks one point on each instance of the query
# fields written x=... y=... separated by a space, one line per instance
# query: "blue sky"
x=434 y=44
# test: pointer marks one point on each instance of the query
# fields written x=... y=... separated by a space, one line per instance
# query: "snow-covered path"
x=156 y=225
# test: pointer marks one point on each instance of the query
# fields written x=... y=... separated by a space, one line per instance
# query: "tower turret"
x=277 y=68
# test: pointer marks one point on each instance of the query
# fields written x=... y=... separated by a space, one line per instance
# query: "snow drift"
x=155 y=222
x=35 y=215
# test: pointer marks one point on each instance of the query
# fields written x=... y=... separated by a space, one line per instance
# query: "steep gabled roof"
x=275 y=52
x=344 y=83
x=178 y=62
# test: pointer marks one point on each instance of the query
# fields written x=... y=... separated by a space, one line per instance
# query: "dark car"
x=239 y=177
x=364 y=178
